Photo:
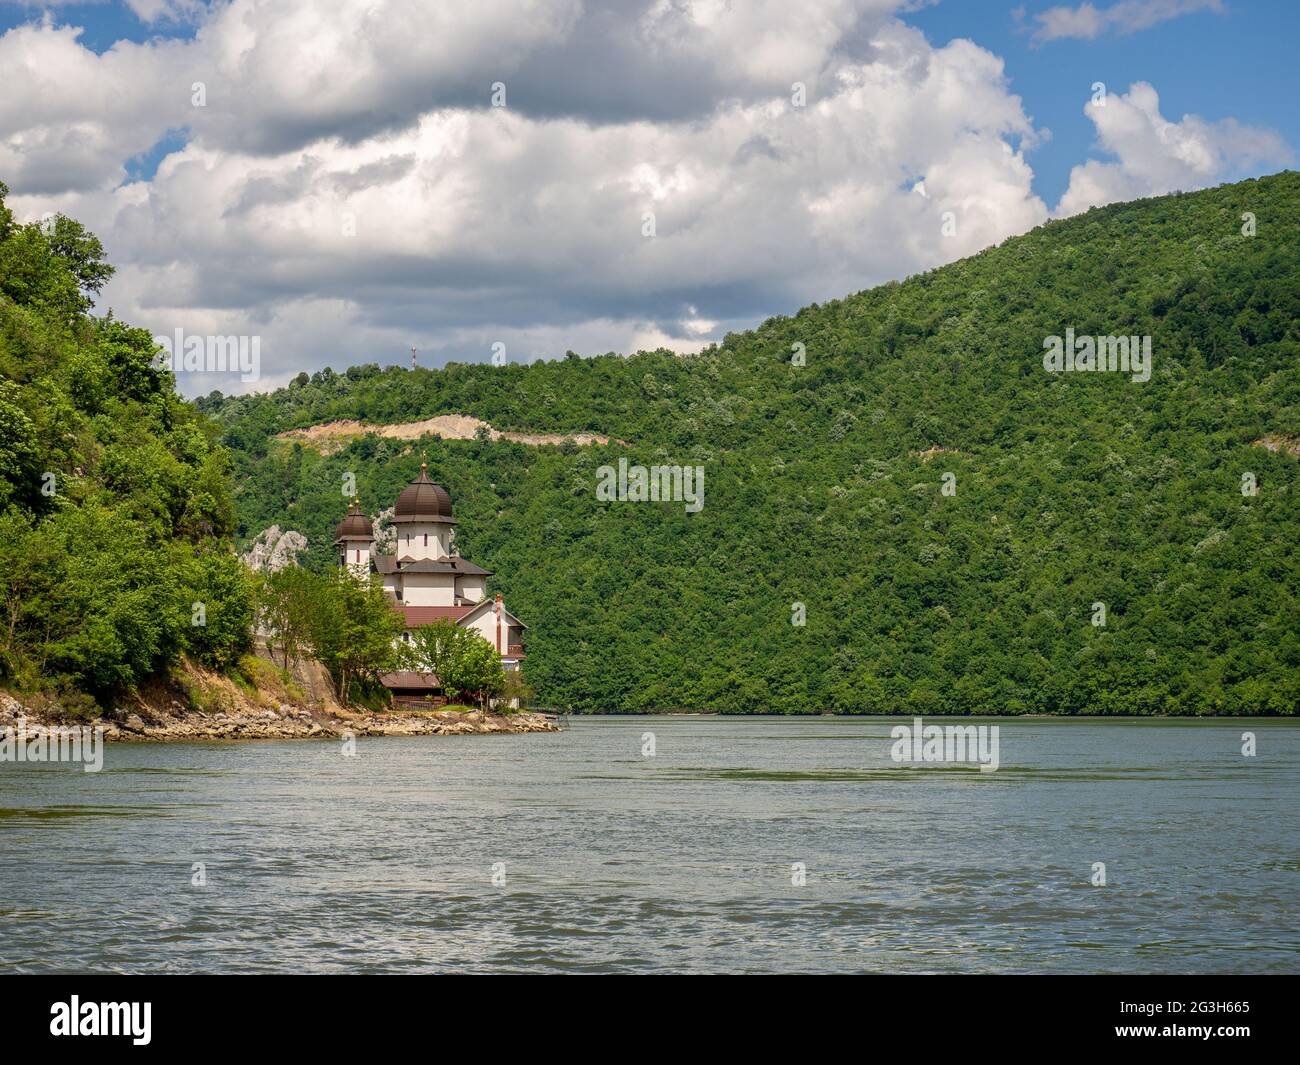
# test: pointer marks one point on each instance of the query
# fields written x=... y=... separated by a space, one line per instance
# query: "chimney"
x=498 y=610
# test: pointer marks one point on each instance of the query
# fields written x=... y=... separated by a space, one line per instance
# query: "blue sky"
x=1238 y=62
x=344 y=188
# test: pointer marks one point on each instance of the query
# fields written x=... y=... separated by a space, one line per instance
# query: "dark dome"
x=356 y=526
x=422 y=500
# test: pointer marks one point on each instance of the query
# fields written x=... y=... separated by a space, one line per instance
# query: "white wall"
x=410 y=540
x=428 y=589
x=358 y=557
x=472 y=588
x=485 y=624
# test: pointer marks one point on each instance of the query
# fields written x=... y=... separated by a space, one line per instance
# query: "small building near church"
x=427 y=580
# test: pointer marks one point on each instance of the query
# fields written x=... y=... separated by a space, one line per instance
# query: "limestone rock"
x=274 y=549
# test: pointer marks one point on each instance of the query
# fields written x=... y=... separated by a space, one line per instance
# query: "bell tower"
x=355 y=540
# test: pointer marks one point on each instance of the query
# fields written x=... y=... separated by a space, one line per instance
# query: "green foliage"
x=355 y=630
x=114 y=509
x=1071 y=488
x=515 y=689
x=347 y=624
x=288 y=603
x=221 y=632
x=81 y=252
x=90 y=599
x=466 y=664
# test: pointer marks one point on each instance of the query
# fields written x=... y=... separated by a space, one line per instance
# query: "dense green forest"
x=827 y=439
x=115 y=511
x=817 y=434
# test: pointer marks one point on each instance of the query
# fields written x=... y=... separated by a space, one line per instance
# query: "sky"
x=344 y=180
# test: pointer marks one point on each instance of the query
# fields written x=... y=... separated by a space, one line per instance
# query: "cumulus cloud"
x=162 y=11
x=1156 y=156
x=346 y=190
x=1129 y=16
x=70 y=119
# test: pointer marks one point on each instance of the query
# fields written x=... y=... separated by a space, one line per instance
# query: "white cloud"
x=1156 y=156
x=1129 y=16
x=347 y=192
x=70 y=119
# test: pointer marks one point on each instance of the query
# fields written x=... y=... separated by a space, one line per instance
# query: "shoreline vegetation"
x=261 y=701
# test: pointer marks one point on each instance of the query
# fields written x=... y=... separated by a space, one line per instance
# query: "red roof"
x=409 y=680
x=426 y=615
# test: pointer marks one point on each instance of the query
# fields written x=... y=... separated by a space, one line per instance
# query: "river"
x=742 y=844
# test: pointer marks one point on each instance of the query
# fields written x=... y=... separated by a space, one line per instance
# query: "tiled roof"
x=488 y=603
x=407 y=679
x=426 y=615
x=355 y=526
x=459 y=566
x=422 y=500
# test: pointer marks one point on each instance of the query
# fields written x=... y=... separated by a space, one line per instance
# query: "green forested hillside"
x=1071 y=489
x=115 y=515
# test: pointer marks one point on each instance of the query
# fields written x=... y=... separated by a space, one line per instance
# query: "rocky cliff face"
x=274 y=549
x=385 y=532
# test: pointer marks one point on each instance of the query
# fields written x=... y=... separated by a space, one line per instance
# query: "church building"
x=427 y=580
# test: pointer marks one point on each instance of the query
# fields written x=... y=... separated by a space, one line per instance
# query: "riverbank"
x=259 y=701
x=280 y=723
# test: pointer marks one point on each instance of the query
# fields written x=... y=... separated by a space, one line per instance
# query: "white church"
x=427 y=581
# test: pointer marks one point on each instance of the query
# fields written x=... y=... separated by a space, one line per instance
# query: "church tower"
x=355 y=539
x=423 y=520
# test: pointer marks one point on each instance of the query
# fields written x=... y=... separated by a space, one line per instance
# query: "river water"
x=610 y=860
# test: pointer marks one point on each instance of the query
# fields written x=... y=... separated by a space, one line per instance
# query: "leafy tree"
x=221 y=613
x=354 y=630
x=115 y=513
x=289 y=602
x=466 y=664
x=81 y=250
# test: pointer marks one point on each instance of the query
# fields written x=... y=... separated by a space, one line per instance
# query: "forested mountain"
x=824 y=486
x=827 y=440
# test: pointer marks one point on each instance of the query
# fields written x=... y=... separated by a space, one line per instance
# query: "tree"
x=221 y=608
x=288 y=603
x=353 y=630
x=114 y=610
x=466 y=664
x=81 y=250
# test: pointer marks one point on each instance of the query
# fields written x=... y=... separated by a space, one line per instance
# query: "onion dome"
x=356 y=526
x=422 y=500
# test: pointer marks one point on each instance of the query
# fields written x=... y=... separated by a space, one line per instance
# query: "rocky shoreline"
x=281 y=723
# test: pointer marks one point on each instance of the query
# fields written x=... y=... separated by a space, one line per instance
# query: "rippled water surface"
x=678 y=862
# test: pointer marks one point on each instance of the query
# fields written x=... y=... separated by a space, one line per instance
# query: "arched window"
x=426 y=539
